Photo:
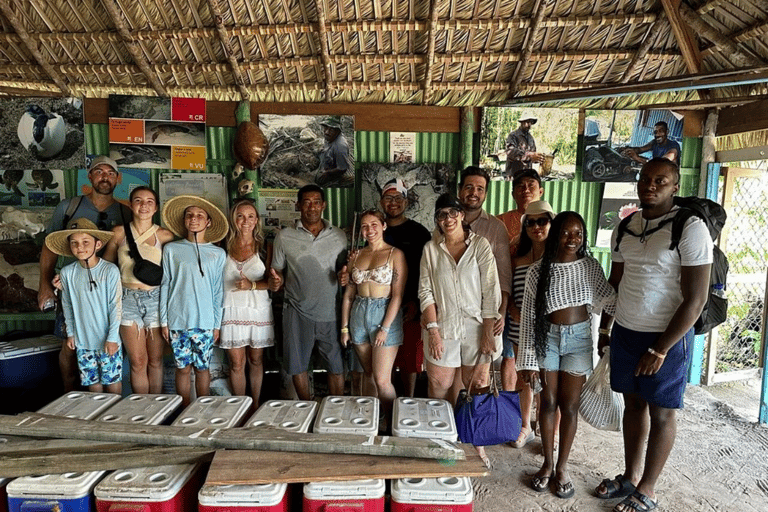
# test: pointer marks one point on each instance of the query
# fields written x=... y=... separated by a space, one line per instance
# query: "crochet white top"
x=576 y=283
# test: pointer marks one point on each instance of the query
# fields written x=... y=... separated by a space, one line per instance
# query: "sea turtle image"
x=11 y=181
x=169 y=129
x=138 y=154
x=43 y=179
x=42 y=132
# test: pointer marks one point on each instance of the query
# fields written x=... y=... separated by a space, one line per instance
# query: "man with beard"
x=521 y=147
x=410 y=237
x=335 y=162
x=101 y=208
x=661 y=292
x=660 y=146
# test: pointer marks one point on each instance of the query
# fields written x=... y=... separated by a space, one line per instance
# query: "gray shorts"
x=141 y=307
x=299 y=337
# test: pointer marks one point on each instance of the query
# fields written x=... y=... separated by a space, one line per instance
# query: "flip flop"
x=640 y=503
x=619 y=487
x=541 y=483
x=565 y=490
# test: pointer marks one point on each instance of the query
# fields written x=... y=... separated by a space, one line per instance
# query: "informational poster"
x=619 y=201
x=212 y=187
x=277 y=208
x=31 y=188
x=157 y=133
x=127 y=180
x=402 y=147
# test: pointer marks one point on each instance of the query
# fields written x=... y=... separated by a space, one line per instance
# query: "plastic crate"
x=81 y=405
x=290 y=415
x=244 y=498
x=348 y=415
x=142 y=409
x=447 y=494
x=68 y=492
x=348 y=496
x=214 y=411
x=155 y=489
x=425 y=418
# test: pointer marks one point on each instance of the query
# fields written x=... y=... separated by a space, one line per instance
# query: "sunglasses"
x=443 y=214
x=541 y=222
x=102 y=221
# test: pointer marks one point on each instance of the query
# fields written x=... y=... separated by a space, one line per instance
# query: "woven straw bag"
x=600 y=406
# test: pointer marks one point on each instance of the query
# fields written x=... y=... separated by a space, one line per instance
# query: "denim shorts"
x=141 y=307
x=192 y=347
x=569 y=348
x=365 y=319
x=98 y=367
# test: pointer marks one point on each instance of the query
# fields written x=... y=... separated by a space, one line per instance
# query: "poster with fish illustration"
x=41 y=133
x=31 y=188
x=157 y=133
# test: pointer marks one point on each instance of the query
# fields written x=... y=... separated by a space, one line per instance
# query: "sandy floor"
x=719 y=463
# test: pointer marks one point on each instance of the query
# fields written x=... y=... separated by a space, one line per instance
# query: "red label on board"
x=188 y=109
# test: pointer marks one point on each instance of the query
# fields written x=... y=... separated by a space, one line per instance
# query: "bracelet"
x=345 y=330
x=607 y=332
x=384 y=329
x=253 y=285
x=657 y=354
x=433 y=325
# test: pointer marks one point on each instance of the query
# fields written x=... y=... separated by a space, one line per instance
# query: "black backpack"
x=716 y=308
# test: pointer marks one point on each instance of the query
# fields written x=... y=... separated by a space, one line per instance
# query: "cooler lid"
x=154 y=484
x=363 y=489
x=28 y=346
x=438 y=491
x=81 y=405
x=142 y=409
x=262 y=495
x=290 y=415
x=214 y=411
x=423 y=418
x=348 y=415
x=64 y=486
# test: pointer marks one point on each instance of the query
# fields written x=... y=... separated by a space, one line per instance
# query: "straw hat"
x=173 y=217
x=58 y=243
x=527 y=115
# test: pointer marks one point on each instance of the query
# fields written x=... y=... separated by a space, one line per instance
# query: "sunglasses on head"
x=543 y=221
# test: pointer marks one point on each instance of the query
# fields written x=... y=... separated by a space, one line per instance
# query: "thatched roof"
x=432 y=52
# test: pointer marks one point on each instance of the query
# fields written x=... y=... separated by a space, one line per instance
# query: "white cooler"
x=80 y=405
x=348 y=415
x=214 y=411
x=142 y=409
x=290 y=415
x=425 y=418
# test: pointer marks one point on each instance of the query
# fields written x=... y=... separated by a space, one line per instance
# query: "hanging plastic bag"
x=600 y=406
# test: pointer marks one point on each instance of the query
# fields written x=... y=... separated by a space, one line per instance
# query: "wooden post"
x=467 y=137
x=708 y=150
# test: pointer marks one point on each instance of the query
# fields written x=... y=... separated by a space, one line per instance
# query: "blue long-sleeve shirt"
x=92 y=315
x=188 y=299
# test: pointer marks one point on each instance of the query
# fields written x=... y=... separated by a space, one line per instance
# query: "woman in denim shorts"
x=562 y=291
x=140 y=324
x=370 y=312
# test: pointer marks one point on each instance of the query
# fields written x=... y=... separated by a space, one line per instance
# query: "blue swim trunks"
x=98 y=367
x=192 y=346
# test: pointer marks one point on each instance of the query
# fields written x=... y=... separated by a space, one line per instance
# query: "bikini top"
x=379 y=275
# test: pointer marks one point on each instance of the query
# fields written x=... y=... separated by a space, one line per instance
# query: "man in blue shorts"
x=661 y=293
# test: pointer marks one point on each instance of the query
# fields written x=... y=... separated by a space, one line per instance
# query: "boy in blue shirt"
x=91 y=300
x=192 y=290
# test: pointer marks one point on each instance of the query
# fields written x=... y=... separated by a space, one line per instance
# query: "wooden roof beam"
x=31 y=45
x=325 y=53
x=686 y=40
x=226 y=47
x=517 y=77
x=426 y=98
x=133 y=47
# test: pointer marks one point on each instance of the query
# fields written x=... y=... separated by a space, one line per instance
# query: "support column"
x=467 y=137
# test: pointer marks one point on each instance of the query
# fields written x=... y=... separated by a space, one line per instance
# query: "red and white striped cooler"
x=80 y=405
x=290 y=415
x=244 y=498
x=68 y=492
x=142 y=410
x=155 y=489
x=214 y=411
x=348 y=496
x=444 y=494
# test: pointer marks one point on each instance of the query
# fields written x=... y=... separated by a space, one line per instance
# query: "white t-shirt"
x=649 y=292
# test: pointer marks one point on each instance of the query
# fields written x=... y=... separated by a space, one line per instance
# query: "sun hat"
x=99 y=160
x=58 y=241
x=173 y=217
x=397 y=184
x=332 y=122
x=536 y=208
x=527 y=115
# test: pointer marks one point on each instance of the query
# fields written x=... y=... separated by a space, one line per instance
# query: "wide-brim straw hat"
x=58 y=241
x=173 y=217
x=527 y=115
x=536 y=208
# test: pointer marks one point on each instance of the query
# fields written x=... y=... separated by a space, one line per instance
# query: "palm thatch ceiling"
x=608 y=53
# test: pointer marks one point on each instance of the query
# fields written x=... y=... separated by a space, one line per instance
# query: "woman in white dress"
x=247 y=326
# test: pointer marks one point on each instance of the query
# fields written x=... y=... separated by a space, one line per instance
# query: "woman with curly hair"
x=562 y=291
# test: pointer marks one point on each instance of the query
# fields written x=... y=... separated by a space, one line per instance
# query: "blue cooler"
x=25 y=363
x=69 y=492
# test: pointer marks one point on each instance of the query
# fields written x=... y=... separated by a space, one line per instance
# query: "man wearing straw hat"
x=335 y=161
x=191 y=292
x=310 y=255
x=91 y=300
x=521 y=147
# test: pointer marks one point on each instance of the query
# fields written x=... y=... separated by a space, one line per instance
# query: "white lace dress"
x=247 y=319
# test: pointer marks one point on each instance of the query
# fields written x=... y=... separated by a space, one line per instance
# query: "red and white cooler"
x=80 y=405
x=68 y=492
x=425 y=418
x=156 y=489
x=348 y=415
x=444 y=494
x=290 y=415
x=348 y=496
x=142 y=409
x=214 y=411
x=244 y=498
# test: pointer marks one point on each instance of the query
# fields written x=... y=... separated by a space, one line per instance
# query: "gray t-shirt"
x=310 y=264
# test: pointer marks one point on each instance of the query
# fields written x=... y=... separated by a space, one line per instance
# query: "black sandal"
x=541 y=483
x=619 y=487
x=636 y=501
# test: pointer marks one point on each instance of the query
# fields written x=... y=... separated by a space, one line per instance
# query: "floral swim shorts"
x=98 y=367
x=192 y=346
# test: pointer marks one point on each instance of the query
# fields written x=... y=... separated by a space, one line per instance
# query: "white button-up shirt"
x=467 y=289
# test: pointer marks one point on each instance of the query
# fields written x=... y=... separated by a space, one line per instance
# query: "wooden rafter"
x=431 y=29
x=226 y=47
x=31 y=45
x=710 y=6
x=517 y=77
x=642 y=52
x=686 y=40
x=325 y=53
x=133 y=47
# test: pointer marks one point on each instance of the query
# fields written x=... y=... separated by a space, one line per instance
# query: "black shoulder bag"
x=145 y=271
